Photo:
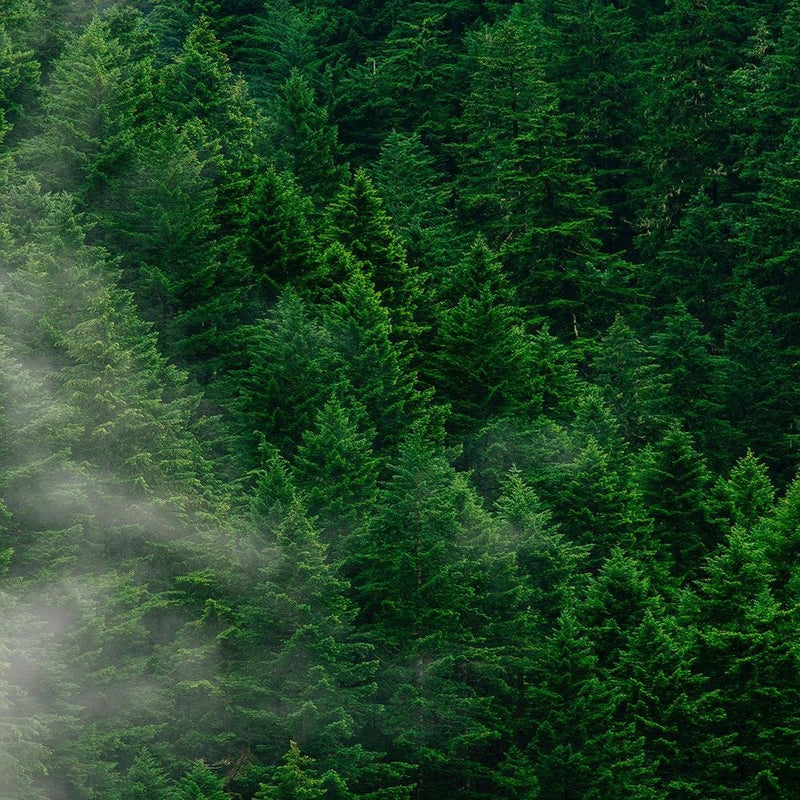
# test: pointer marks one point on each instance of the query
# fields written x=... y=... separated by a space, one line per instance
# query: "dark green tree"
x=290 y=361
x=760 y=398
x=693 y=371
x=337 y=469
x=418 y=201
x=375 y=367
x=521 y=187
x=306 y=141
x=357 y=219
x=632 y=382
x=675 y=484
x=483 y=363
x=745 y=650
x=294 y=779
x=147 y=780
x=414 y=568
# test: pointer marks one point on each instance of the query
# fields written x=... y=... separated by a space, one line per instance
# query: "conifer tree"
x=95 y=97
x=417 y=200
x=357 y=220
x=675 y=484
x=296 y=668
x=521 y=188
x=293 y=780
x=632 y=382
x=290 y=360
x=375 y=366
x=696 y=263
x=280 y=246
x=307 y=141
x=199 y=85
x=337 y=469
x=590 y=57
x=19 y=69
x=413 y=571
x=146 y=780
x=760 y=398
x=693 y=372
x=483 y=363
x=576 y=746
x=599 y=507
x=200 y=783
x=748 y=494
x=753 y=673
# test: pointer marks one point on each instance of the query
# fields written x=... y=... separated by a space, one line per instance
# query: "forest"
x=399 y=399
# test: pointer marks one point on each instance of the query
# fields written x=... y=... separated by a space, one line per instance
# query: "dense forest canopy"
x=399 y=400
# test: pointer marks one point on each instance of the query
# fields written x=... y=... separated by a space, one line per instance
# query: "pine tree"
x=687 y=110
x=292 y=781
x=19 y=69
x=760 y=399
x=375 y=367
x=417 y=199
x=599 y=507
x=519 y=185
x=632 y=383
x=413 y=570
x=483 y=363
x=276 y=38
x=697 y=262
x=753 y=670
x=295 y=667
x=337 y=469
x=576 y=746
x=307 y=142
x=694 y=372
x=675 y=484
x=200 y=783
x=356 y=219
x=770 y=238
x=199 y=85
x=290 y=360
x=280 y=245
x=95 y=96
x=146 y=780
x=747 y=495
x=590 y=52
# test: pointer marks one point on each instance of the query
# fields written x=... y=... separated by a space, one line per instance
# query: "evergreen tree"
x=280 y=245
x=356 y=219
x=337 y=469
x=307 y=141
x=483 y=363
x=375 y=367
x=95 y=96
x=576 y=747
x=292 y=780
x=146 y=780
x=748 y=494
x=19 y=69
x=633 y=385
x=753 y=672
x=200 y=783
x=760 y=399
x=519 y=185
x=413 y=570
x=290 y=359
x=675 y=483
x=417 y=200
x=693 y=372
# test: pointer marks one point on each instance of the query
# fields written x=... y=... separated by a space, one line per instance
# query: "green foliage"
x=292 y=780
x=483 y=363
x=286 y=463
